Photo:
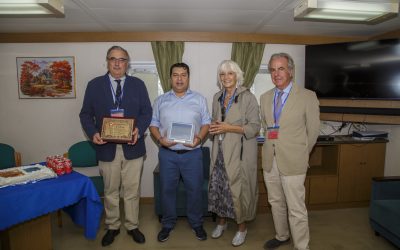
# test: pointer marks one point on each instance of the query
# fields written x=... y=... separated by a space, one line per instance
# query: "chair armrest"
x=387 y=178
x=386 y=188
x=18 y=161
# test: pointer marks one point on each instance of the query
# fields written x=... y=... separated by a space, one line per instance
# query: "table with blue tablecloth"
x=74 y=193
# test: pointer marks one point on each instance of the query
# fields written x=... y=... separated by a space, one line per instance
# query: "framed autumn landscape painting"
x=46 y=77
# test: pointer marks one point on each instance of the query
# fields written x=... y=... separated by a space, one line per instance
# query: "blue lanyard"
x=277 y=114
x=224 y=110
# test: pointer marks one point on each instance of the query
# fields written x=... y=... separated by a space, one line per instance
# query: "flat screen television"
x=354 y=70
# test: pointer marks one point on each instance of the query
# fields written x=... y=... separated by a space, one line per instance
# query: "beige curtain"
x=166 y=54
x=248 y=56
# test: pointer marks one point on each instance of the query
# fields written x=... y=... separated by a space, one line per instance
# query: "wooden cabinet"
x=262 y=205
x=33 y=235
x=340 y=173
x=358 y=164
x=323 y=175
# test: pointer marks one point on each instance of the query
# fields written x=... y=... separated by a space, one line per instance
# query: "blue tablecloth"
x=74 y=193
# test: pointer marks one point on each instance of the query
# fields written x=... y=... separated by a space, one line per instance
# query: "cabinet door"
x=358 y=164
x=323 y=189
x=372 y=165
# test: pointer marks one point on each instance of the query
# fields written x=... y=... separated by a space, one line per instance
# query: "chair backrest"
x=7 y=156
x=83 y=154
x=206 y=162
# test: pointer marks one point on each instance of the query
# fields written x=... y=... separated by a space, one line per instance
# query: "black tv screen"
x=356 y=70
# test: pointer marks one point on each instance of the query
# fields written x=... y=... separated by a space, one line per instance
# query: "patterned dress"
x=220 y=198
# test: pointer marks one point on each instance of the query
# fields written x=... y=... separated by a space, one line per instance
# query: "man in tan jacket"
x=290 y=117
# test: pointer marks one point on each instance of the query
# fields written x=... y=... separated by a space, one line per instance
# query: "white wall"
x=41 y=127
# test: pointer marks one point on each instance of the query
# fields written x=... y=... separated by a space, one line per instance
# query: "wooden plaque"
x=117 y=129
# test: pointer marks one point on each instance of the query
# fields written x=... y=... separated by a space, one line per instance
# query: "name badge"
x=273 y=132
x=117 y=112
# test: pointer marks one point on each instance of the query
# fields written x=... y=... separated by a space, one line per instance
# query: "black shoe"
x=137 y=235
x=200 y=233
x=274 y=243
x=163 y=235
x=108 y=238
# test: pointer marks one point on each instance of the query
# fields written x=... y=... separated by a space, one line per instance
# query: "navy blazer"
x=98 y=102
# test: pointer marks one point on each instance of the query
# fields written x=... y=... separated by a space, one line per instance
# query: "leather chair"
x=9 y=157
x=181 y=195
x=83 y=157
x=384 y=208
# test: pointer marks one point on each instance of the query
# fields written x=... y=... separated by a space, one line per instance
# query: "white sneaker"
x=239 y=238
x=218 y=231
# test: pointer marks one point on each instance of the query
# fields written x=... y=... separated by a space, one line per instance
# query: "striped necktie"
x=118 y=93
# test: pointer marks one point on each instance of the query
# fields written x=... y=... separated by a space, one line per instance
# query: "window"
x=262 y=82
x=147 y=72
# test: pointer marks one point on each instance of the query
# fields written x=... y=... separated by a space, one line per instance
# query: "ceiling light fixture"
x=346 y=11
x=32 y=8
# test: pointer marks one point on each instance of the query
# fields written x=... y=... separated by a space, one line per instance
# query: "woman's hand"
x=217 y=128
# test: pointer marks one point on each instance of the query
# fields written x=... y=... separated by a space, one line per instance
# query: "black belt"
x=182 y=151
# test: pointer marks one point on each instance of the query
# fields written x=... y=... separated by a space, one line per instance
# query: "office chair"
x=9 y=157
x=83 y=158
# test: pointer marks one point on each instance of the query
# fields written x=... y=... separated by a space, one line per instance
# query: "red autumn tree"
x=28 y=69
x=61 y=74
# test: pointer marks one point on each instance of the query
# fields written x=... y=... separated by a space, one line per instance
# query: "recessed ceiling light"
x=32 y=8
x=346 y=11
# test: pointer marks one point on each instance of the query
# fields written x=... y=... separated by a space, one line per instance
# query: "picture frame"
x=181 y=132
x=46 y=77
x=117 y=129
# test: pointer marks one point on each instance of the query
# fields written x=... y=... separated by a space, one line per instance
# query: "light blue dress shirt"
x=285 y=94
x=190 y=108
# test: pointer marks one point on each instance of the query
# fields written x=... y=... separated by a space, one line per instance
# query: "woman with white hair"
x=233 y=190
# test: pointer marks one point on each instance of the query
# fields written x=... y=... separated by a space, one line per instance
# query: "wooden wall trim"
x=391 y=34
x=374 y=119
x=218 y=37
x=363 y=118
x=359 y=103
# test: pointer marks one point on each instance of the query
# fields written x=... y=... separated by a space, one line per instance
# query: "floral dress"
x=219 y=197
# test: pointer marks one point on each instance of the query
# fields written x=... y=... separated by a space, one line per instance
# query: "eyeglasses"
x=120 y=60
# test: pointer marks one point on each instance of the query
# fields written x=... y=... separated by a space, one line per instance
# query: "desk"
x=74 y=193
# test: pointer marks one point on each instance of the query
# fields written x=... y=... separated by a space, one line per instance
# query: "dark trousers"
x=190 y=166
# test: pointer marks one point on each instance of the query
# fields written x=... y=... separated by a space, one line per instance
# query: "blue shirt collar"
x=188 y=92
x=285 y=90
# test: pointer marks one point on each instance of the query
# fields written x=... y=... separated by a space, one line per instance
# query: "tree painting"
x=46 y=77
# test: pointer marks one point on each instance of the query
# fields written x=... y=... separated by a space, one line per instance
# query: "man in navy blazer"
x=116 y=94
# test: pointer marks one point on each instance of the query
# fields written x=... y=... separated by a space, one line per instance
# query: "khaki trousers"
x=286 y=194
x=121 y=174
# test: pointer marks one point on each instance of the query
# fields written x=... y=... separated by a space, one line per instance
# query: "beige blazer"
x=298 y=132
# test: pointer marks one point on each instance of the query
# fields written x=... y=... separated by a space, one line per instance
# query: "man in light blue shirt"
x=180 y=106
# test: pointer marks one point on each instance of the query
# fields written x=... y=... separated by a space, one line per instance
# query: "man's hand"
x=135 y=136
x=166 y=143
x=97 y=139
x=196 y=141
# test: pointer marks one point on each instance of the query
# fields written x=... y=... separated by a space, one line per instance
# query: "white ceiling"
x=244 y=16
